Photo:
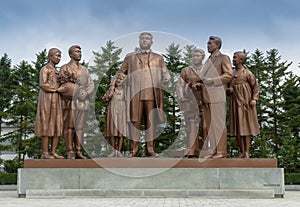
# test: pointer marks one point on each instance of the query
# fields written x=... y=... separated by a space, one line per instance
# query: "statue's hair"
x=72 y=48
x=52 y=51
x=241 y=55
x=146 y=33
x=199 y=50
x=217 y=40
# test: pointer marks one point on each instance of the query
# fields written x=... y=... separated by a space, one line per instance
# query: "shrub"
x=11 y=166
x=292 y=178
x=8 y=178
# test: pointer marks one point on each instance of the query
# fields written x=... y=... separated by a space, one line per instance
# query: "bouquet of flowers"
x=67 y=82
x=67 y=77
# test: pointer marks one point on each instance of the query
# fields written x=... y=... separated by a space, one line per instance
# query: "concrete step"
x=178 y=193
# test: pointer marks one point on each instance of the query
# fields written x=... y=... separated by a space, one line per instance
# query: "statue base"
x=139 y=162
x=151 y=177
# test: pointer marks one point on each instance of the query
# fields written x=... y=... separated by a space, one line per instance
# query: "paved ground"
x=10 y=199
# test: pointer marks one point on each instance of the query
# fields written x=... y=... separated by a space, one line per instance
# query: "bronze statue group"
x=135 y=99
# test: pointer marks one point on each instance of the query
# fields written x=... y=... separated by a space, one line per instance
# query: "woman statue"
x=244 y=93
x=190 y=101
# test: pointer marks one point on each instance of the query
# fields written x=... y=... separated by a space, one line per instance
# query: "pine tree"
x=23 y=106
x=272 y=75
x=5 y=89
x=289 y=152
x=276 y=76
x=188 y=54
x=41 y=61
x=291 y=106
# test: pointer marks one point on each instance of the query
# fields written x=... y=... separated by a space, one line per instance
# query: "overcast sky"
x=29 y=26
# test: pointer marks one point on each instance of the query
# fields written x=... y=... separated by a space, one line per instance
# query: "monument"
x=204 y=86
x=146 y=73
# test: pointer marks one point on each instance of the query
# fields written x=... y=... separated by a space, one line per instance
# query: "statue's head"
x=75 y=52
x=214 y=43
x=54 y=55
x=239 y=57
x=145 y=40
x=198 y=55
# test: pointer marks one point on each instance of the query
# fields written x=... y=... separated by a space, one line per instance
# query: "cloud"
x=27 y=27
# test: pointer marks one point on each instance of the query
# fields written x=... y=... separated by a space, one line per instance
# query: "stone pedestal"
x=147 y=181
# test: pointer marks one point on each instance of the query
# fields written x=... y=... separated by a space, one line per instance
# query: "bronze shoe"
x=56 y=156
x=46 y=155
x=132 y=154
x=80 y=156
x=211 y=155
x=112 y=154
x=119 y=154
x=153 y=154
x=70 y=155
x=219 y=156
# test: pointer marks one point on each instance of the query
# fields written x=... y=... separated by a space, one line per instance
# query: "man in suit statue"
x=216 y=74
x=76 y=89
x=146 y=72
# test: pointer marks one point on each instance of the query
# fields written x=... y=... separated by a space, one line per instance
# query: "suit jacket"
x=84 y=83
x=218 y=68
x=133 y=66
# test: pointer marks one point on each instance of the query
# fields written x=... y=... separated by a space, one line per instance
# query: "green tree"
x=291 y=105
x=289 y=152
x=275 y=79
x=5 y=89
x=39 y=63
x=188 y=54
x=23 y=106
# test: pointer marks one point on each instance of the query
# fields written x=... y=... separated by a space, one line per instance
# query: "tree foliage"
x=5 y=89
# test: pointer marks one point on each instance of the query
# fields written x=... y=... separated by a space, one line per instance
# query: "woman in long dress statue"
x=49 y=120
x=190 y=102
x=244 y=93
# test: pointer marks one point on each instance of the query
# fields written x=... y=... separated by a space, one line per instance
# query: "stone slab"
x=292 y=187
x=153 y=163
x=158 y=193
x=136 y=179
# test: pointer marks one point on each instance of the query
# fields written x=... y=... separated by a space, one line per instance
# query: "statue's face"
x=120 y=80
x=55 y=58
x=236 y=59
x=145 y=41
x=198 y=57
x=211 y=46
x=76 y=54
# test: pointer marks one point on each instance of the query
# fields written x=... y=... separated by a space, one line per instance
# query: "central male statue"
x=146 y=72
